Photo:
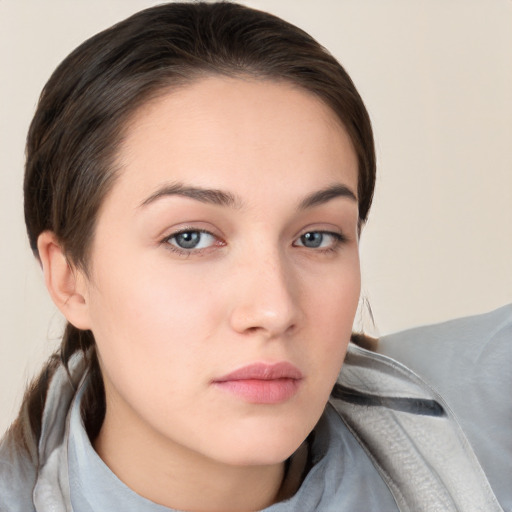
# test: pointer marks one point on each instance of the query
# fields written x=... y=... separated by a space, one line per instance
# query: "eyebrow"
x=204 y=195
x=223 y=198
x=327 y=194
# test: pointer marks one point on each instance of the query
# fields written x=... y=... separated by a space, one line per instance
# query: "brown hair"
x=78 y=126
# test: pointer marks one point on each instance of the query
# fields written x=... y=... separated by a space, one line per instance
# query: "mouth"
x=262 y=383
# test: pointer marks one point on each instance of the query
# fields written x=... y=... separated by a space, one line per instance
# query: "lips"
x=262 y=383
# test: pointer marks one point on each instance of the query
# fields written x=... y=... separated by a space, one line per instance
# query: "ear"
x=67 y=285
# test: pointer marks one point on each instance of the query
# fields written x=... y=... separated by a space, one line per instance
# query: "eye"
x=319 y=240
x=191 y=239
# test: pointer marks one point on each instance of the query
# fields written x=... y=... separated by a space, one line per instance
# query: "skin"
x=169 y=321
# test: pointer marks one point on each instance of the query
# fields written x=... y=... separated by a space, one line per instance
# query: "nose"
x=268 y=297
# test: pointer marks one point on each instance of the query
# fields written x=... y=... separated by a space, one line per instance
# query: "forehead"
x=218 y=129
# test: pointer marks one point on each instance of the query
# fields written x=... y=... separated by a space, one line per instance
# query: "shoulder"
x=471 y=353
x=17 y=477
x=468 y=362
x=477 y=335
x=28 y=459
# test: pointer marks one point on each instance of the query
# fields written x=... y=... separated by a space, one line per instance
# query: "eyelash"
x=189 y=252
x=338 y=239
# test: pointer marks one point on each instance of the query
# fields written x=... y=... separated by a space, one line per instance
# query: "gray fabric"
x=412 y=436
x=37 y=481
x=17 y=477
x=469 y=362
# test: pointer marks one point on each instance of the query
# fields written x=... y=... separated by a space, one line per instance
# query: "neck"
x=174 y=476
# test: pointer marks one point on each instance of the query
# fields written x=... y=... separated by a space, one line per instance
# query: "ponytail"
x=26 y=429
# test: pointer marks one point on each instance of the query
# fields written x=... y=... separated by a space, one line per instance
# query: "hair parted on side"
x=87 y=103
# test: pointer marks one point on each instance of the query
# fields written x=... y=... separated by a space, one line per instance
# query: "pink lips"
x=262 y=383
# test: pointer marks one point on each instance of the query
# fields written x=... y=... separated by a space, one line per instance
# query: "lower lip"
x=259 y=391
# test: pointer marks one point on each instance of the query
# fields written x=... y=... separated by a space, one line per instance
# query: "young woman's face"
x=224 y=273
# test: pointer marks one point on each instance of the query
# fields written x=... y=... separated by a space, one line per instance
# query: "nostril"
x=271 y=307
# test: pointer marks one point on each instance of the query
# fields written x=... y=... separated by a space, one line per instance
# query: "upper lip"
x=263 y=371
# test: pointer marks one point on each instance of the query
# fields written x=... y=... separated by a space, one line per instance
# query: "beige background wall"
x=437 y=79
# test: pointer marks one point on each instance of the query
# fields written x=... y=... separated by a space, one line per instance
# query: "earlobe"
x=66 y=285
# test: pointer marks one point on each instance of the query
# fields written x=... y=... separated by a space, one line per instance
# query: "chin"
x=268 y=445
x=260 y=455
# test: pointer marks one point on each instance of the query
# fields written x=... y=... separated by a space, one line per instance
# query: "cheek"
x=146 y=294
x=331 y=310
x=148 y=334
x=333 y=296
x=157 y=321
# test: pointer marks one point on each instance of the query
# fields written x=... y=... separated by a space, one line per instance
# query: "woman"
x=196 y=183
